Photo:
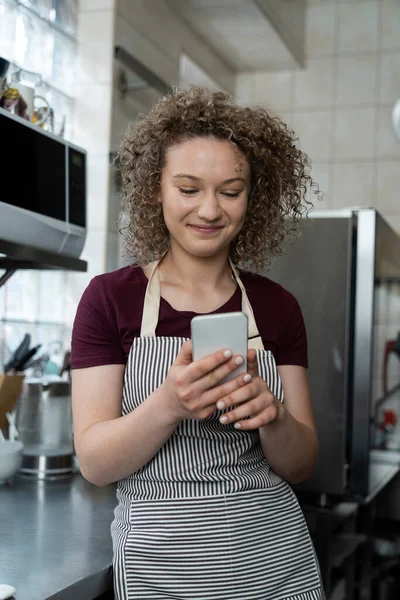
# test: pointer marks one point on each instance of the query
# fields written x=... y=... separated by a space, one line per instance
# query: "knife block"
x=10 y=389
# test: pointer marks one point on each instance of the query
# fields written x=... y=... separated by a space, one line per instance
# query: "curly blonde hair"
x=280 y=172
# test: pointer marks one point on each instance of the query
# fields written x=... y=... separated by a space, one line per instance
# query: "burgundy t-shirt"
x=109 y=317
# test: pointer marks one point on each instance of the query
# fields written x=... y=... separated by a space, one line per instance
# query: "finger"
x=209 y=371
x=243 y=411
x=220 y=393
x=266 y=416
x=252 y=365
x=185 y=355
x=254 y=387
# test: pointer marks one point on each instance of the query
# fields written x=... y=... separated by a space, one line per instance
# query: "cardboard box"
x=10 y=390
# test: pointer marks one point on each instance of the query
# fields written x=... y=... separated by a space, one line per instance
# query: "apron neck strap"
x=151 y=307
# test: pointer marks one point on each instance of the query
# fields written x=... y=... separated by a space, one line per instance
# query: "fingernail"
x=237 y=426
x=220 y=405
x=223 y=419
x=247 y=377
x=228 y=353
x=239 y=360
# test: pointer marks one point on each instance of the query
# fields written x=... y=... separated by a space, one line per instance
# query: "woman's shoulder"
x=264 y=288
x=130 y=275
x=118 y=284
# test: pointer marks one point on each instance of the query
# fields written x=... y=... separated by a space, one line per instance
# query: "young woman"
x=205 y=509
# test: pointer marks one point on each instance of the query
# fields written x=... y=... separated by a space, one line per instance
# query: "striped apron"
x=206 y=517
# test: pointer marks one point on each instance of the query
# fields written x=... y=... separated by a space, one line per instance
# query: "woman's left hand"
x=255 y=405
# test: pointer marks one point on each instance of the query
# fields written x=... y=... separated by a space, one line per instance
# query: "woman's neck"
x=195 y=274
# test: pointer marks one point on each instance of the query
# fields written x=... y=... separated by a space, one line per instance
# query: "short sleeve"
x=95 y=335
x=293 y=341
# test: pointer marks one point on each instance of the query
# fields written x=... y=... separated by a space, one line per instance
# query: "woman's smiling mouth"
x=206 y=229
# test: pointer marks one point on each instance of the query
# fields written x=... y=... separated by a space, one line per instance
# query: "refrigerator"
x=344 y=270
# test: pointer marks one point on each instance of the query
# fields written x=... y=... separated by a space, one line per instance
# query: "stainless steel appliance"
x=43 y=188
x=43 y=420
x=345 y=272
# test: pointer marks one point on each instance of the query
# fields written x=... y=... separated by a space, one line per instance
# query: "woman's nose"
x=209 y=208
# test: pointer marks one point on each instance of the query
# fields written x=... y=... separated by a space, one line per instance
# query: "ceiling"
x=240 y=32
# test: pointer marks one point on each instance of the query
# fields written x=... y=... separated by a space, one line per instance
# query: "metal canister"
x=44 y=422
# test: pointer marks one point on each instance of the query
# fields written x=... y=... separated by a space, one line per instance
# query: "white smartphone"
x=220 y=331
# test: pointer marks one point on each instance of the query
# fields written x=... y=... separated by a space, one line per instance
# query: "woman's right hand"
x=191 y=389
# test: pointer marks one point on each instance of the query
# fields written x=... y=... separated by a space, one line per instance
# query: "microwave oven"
x=42 y=188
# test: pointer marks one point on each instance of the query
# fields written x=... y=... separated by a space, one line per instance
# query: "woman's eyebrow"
x=186 y=176
x=194 y=178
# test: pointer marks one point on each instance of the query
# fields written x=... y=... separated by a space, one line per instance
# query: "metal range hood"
x=256 y=35
x=15 y=256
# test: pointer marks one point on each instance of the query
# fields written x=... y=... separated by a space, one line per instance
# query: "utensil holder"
x=10 y=390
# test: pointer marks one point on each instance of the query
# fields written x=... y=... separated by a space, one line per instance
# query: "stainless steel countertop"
x=55 y=540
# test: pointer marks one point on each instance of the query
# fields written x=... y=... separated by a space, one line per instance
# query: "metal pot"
x=43 y=420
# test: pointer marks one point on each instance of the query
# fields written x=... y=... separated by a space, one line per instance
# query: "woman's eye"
x=231 y=194
x=187 y=192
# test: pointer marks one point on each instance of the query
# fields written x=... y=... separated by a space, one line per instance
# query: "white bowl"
x=10 y=459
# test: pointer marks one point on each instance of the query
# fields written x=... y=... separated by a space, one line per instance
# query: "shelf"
x=15 y=256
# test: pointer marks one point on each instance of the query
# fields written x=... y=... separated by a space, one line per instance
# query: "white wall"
x=340 y=104
x=92 y=128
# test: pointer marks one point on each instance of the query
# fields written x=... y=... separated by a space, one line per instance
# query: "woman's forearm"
x=113 y=449
x=290 y=447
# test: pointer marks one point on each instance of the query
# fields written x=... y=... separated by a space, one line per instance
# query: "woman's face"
x=205 y=185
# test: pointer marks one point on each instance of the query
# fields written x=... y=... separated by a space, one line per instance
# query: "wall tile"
x=288 y=118
x=95 y=39
x=358 y=27
x=314 y=85
x=354 y=134
x=274 y=90
x=390 y=77
x=245 y=88
x=320 y=30
x=356 y=80
x=388 y=146
x=388 y=194
x=353 y=185
x=390 y=25
x=314 y=130
x=323 y=176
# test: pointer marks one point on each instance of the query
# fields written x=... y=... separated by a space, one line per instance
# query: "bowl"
x=10 y=459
